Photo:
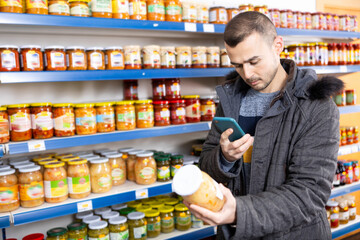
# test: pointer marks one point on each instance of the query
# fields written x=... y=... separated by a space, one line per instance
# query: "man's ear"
x=278 y=45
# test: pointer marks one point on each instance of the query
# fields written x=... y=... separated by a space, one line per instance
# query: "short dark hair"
x=246 y=23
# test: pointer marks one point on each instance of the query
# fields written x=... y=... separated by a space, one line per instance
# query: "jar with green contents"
x=167 y=219
x=110 y=215
x=137 y=226
x=57 y=234
x=80 y=216
x=183 y=217
x=119 y=229
x=77 y=231
x=144 y=208
x=134 y=204
x=98 y=231
x=163 y=168
x=125 y=211
x=177 y=161
x=153 y=223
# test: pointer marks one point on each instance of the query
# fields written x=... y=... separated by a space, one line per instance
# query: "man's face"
x=256 y=61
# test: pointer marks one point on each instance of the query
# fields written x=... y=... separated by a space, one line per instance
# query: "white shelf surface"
x=346 y=228
x=193 y=233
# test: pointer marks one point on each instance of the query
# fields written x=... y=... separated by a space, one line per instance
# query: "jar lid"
x=171 y=201
x=135 y=151
x=24 y=165
x=46 y=161
x=99 y=151
x=151 y=46
x=165 y=155
x=117 y=207
x=23 y=105
x=148 y=201
x=75 y=47
x=207 y=97
x=98 y=225
x=82 y=153
x=84 y=105
x=162 y=197
x=3 y=108
x=114 y=48
x=77 y=161
x=152 y=213
x=64 y=155
x=4 y=167
x=187 y=180
x=99 y=160
x=83 y=215
x=127 y=210
x=116 y=155
x=7 y=172
x=168 y=48
x=54 y=165
x=181 y=207
x=110 y=215
x=104 y=104
x=134 y=204
x=177 y=101
x=190 y=96
x=86 y=155
x=91 y=219
x=93 y=158
x=161 y=159
x=136 y=215
x=55 y=232
x=177 y=156
x=161 y=102
x=29 y=169
x=220 y=7
x=143 y=208
x=76 y=226
x=95 y=49
x=125 y=103
x=118 y=220
x=34 y=236
x=108 y=152
x=19 y=162
x=147 y=101
x=69 y=105
x=125 y=150
x=9 y=46
x=101 y=211
x=145 y=154
x=54 y=47
x=30 y=46
x=157 y=204
x=332 y=204
x=166 y=209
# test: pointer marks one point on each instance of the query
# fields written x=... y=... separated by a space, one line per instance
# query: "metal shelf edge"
x=339 y=191
x=350 y=227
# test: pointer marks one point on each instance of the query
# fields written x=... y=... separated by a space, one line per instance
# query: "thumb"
x=225 y=191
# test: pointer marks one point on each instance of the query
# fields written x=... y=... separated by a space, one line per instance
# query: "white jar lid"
x=29 y=169
x=114 y=48
x=98 y=225
x=75 y=47
x=187 y=180
x=110 y=215
x=19 y=162
x=108 y=152
x=99 y=160
x=91 y=219
x=125 y=150
x=55 y=47
x=4 y=167
x=30 y=46
x=7 y=172
x=86 y=155
x=101 y=211
x=145 y=154
x=117 y=207
x=24 y=165
x=118 y=220
x=9 y=46
x=116 y=155
x=136 y=215
x=135 y=151
x=95 y=48
x=93 y=158
x=83 y=215
x=332 y=204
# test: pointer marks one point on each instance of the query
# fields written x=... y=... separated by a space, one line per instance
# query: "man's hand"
x=227 y=215
x=233 y=151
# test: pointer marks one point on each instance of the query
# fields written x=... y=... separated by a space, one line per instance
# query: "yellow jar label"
x=37 y=4
x=79 y=184
x=57 y=188
x=32 y=191
x=120 y=6
x=10 y=3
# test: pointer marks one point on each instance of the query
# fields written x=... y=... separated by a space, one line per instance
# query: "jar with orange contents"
x=37 y=7
x=130 y=164
x=316 y=20
x=31 y=58
x=145 y=168
x=118 y=168
x=224 y=59
x=55 y=58
x=125 y=115
x=218 y=15
x=167 y=57
x=78 y=176
x=31 y=187
x=308 y=20
x=155 y=10
x=207 y=108
x=132 y=57
x=231 y=13
x=20 y=122
x=64 y=119
x=246 y=8
x=177 y=112
x=120 y=9
x=329 y=21
x=4 y=126
x=131 y=90
x=105 y=117
x=42 y=120
x=202 y=12
x=79 y=8
x=9 y=188
x=342 y=53
x=299 y=20
x=183 y=57
x=336 y=22
x=144 y=114
x=138 y=9
x=344 y=21
x=310 y=54
x=55 y=182
x=192 y=108
x=158 y=89
x=275 y=16
x=353 y=23
x=85 y=117
x=12 y=6
x=350 y=54
x=357 y=53
x=95 y=58
x=199 y=58
x=213 y=57
x=189 y=13
x=173 y=11
x=9 y=58
x=76 y=58
x=333 y=54
x=162 y=113
x=172 y=87
x=114 y=58
x=59 y=7
x=101 y=8
x=151 y=57
x=262 y=9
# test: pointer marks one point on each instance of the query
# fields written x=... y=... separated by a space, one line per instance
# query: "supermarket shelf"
x=317 y=33
x=334 y=69
x=4 y=220
x=349 y=188
x=193 y=233
x=78 y=140
x=119 y=194
x=345 y=229
x=349 y=149
x=349 y=109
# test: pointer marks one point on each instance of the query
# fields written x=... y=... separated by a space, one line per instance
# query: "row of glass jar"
x=341 y=210
x=349 y=135
x=345 y=98
x=321 y=54
x=346 y=173
x=59 y=58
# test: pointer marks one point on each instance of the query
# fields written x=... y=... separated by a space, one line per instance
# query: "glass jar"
x=4 y=126
x=42 y=120
x=310 y=54
x=299 y=51
x=336 y=22
x=162 y=113
x=78 y=178
x=163 y=169
x=167 y=219
x=189 y=13
x=118 y=169
x=85 y=116
x=349 y=172
x=199 y=57
x=125 y=115
x=55 y=182
x=151 y=57
x=31 y=58
x=130 y=165
x=101 y=8
x=202 y=12
x=356 y=174
x=155 y=10
x=231 y=13
x=158 y=86
x=98 y=231
x=100 y=172
x=321 y=52
x=57 y=234
x=64 y=119
x=76 y=58
x=37 y=7
x=91 y=219
x=20 y=122
x=138 y=9
x=119 y=228
x=137 y=226
x=114 y=58
x=275 y=16
x=120 y=9
x=153 y=223
x=356 y=134
x=132 y=57
x=316 y=21
x=172 y=88
x=55 y=58
x=192 y=108
x=329 y=21
x=173 y=11
x=357 y=53
x=350 y=97
x=213 y=57
x=352 y=206
x=125 y=152
x=107 y=216
x=145 y=168
x=177 y=112
x=9 y=56
x=177 y=162
x=183 y=217
x=9 y=191
x=59 y=7
x=344 y=21
x=333 y=54
x=343 y=211
x=283 y=19
x=167 y=57
x=342 y=53
x=105 y=117
x=11 y=6
x=183 y=57
x=82 y=215
x=218 y=15
x=131 y=90
x=349 y=135
x=207 y=108
x=350 y=54
x=95 y=58
x=353 y=23
x=299 y=20
x=77 y=231
x=31 y=187
x=79 y=8
x=224 y=59
x=144 y=114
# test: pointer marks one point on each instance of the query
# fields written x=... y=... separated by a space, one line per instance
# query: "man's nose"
x=248 y=72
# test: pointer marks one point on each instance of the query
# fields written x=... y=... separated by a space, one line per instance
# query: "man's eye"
x=254 y=63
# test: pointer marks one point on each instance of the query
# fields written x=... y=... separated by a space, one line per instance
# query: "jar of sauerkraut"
x=145 y=168
x=55 y=182
x=9 y=191
x=100 y=172
x=118 y=168
x=78 y=178
x=31 y=187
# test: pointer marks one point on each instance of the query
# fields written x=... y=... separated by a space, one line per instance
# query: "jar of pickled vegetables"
x=172 y=88
x=100 y=173
x=352 y=206
x=42 y=120
x=183 y=57
x=98 y=231
x=130 y=164
x=224 y=59
x=31 y=187
x=162 y=113
x=158 y=86
x=59 y=7
x=118 y=168
x=37 y=7
x=137 y=226
x=107 y=216
x=9 y=191
x=12 y=6
x=76 y=58
x=82 y=215
x=167 y=219
x=4 y=126
x=101 y=9
x=132 y=57
x=125 y=115
x=167 y=57
x=173 y=11
x=91 y=219
x=202 y=12
x=144 y=114
x=343 y=211
x=105 y=117
x=213 y=57
x=20 y=122
x=79 y=8
x=155 y=10
x=55 y=182
x=183 y=217
x=119 y=228
x=9 y=56
x=95 y=58
x=77 y=231
x=138 y=9
x=153 y=223
x=120 y=9
x=85 y=116
x=78 y=176
x=177 y=112
x=199 y=58
x=31 y=58
x=163 y=169
x=177 y=162
x=55 y=58
x=64 y=119
x=151 y=57
x=189 y=13
x=131 y=90
x=192 y=109
x=145 y=168
x=207 y=108
x=126 y=211
x=57 y=234
x=218 y=15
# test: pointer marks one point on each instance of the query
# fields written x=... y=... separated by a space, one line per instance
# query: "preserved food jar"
x=231 y=13
x=137 y=226
x=20 y=123
x=4 y=126
x=350 y=97
x=134 y=204
x=342 y=54
x=329 y=21
x=353 y=23
x=67 y=159
x=131 y=90
x=57 y=234
x=125 y=152
x=31 y=58
x=145 y=168
x=163 y=169
x=333 y=54
x=100 y=173
x=31 y=187
x=76 y=58
x=167 y=57
x=299 y=20
x=151 y=57
x=155 y=10
x=343 y=211
x=144 y=114
x=130 y=164
x=162 y=113
x=183 y=57
x=321 y=52
x=352 y=206
x=218 y=15
x=82 y=215
x=183 y=217
x=262 y=9
x=37 y=7
x=172 y=87
x=299 y=52
x=59 y=7
x=167 y=219
x=64 y=119
x=55 y=182
x=9 y=191
x=120 y=9
x=85 y=116
x=78 y=176
x=308 y=20
x=177 y=162
x=357 y=53
x=173 y=11
x=310 y=54
x=125 y=115
x=98 y=230
x=101 y=8
x=119 y=228
x=126 y=211
x=189 y=13
x=192 y=108
x=199 y=58
x=107 y=216
x=344 y=21
x=91 y=219
x=118 y=168
x=197 y=187
x=12 y=6
x=79 y=8
x=118 y=207
x=336 y=22
x=355 y=165
x=348 y=167
x=356 y=134
x=317 y=21
x=9 y=58
x=105 y=117
x=153 y=223
x=177 y=112
x=77 y=231
x=95 y=58
x=114 y=58
x=275 y=17
x=101 y=211
x=132 y=57
x=350 y=54
x=333 y=208
x=42 y=120
x=207 y=108
x=158 y=89
x=224 y=59
x=202 y=12
x=213 y=57
x=284 y=19
x=137 y=9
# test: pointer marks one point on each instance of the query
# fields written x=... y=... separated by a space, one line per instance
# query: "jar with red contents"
x=349 y=172
x=207 y=108
x=308 y=23
x=333 y=54
x=177 y=112
x=344 y=21
x=329 y=21
x=286 y=19
x=349 y=135
x=342 y=53
x=343 y=140
x=275 y=16
x=158 y=89
x=353 y=23
x=350 y=54
x=162 y=113
x=9 y=58
x=317 y=21
x=356 y=172
x=131 y=90
x=42 y=120
x=356 y=134
x=357 y=53
x=192 y=109
x=333 y=208
x=299 y=20
x=172 y=86
x=336 y=22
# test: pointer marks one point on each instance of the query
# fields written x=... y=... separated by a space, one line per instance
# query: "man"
x=280 y=174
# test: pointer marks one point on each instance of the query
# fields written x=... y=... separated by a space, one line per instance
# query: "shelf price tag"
x=141 y=193
x=84 y=206
x=209 y=28
x=190 y=27
x=35 y=146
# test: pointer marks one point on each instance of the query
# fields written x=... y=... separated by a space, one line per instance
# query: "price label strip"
x=35 y=146
x=84 y=206
x=141 y=193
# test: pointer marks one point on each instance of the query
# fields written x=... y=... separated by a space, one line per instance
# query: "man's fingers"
x=246 y=145
x=204 y=212
x=241 y=141
x=225 y=135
